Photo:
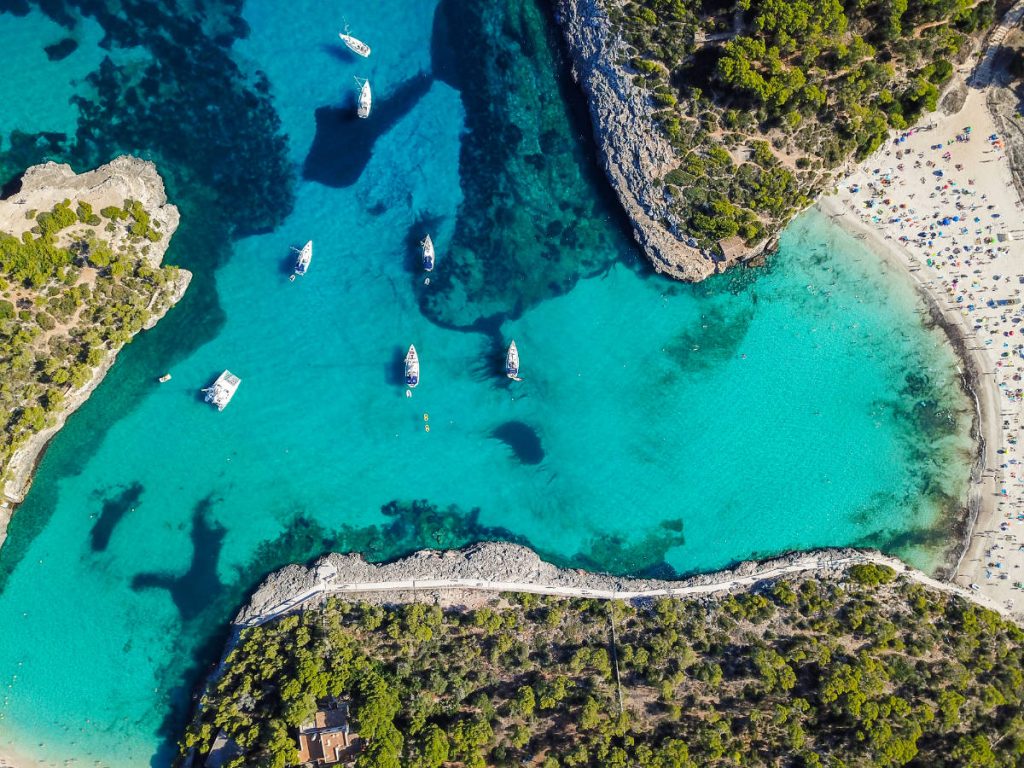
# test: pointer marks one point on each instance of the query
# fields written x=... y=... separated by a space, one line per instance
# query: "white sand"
x=964 y=267
x=11 y=758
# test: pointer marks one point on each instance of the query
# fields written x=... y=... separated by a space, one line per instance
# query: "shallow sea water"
x=659 y=429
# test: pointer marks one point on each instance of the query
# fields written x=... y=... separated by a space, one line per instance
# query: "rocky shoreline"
x=631 y=152
x=42 y=187
x=634 y=153
x=473 y=575
x=492 y=566
x=631 y=158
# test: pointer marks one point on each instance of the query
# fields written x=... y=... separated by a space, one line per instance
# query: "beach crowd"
x=943 y=193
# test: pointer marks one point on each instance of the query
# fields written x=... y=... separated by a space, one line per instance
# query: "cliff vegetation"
x=75 y=286
x=865 y=669
x=763 y=101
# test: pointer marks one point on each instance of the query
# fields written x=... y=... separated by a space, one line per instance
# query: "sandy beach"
x=941 y=201
x=11 y=758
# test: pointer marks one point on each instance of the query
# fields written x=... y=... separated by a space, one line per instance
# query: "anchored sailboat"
x=365 y=98
x=305 y=256
x=412 y=368
x=428 y=254
x=354 y=45
x=512 y=362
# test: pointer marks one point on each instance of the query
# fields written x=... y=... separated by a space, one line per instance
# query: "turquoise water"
x=659 y=428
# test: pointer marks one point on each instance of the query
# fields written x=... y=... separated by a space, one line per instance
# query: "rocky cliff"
x=41 y=188
x=630 y=150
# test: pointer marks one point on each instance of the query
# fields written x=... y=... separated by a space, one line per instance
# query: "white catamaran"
x=365 y=99
x=222 y=390
x=428 y=254
x=412 y=368
x=512 y=362
x=305 y=256
x=354 y=45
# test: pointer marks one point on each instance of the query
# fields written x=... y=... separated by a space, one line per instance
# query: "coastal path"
x=983 y=73
x=328 y=584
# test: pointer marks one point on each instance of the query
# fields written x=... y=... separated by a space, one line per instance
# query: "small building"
x=733 y=248
x=327 y=738
x=223 y=751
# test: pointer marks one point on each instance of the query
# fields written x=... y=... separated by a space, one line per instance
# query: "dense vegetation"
x=73 y=289
x=869 y=670
x=763 y=100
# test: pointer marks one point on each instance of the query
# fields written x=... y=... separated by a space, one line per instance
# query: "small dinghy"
x=305 y=256
x=365 y=99
x=356 y=46
x=412 y=368
x=512 y=362
x=428 y=254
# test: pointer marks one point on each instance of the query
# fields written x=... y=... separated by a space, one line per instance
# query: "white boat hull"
x=428 y=254
x=304 y=259
x=365 y=100
x=356 y=46
x=512 y=362
x=412 y=368
x=222 y=390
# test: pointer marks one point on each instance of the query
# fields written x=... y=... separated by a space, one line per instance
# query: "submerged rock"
x=522 y=439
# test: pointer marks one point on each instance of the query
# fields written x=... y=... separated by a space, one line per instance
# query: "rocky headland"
x=713 y=141
x=631 y=151
x=457 y=577
x=683 y=677
x=103 y=246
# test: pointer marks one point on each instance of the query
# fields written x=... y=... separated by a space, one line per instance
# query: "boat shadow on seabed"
x=394 y=371
x=343 y=143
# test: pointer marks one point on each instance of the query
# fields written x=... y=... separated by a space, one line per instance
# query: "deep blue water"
x=659 y=429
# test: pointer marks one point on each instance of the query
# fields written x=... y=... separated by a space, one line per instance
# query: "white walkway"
x=728 y=580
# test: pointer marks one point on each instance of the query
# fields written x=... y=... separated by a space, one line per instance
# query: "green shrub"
x=52 y=222
x=872 y=574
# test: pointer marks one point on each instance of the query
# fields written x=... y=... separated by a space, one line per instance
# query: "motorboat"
x=428 y=254
x=412 y=368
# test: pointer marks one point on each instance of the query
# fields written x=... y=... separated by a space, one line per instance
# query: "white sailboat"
x=512 y=362
x=305 y=256
x=365 y=99
x=428 y=254
x=356 y=46
x=412 y=368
